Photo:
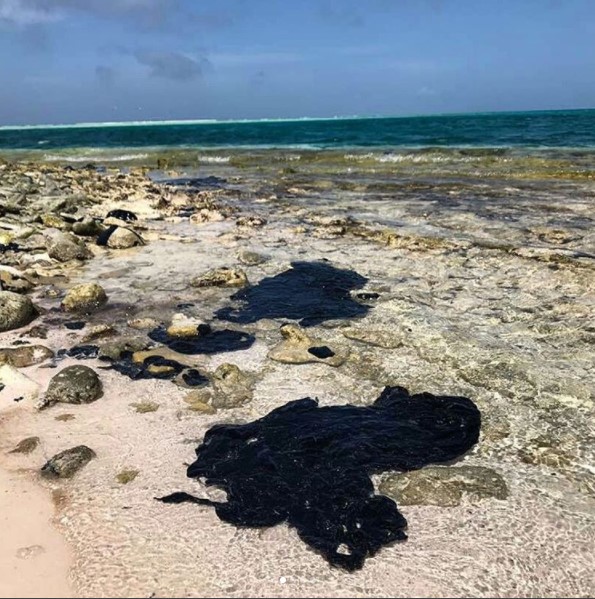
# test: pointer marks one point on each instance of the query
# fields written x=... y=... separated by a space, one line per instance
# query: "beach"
x=475 y=272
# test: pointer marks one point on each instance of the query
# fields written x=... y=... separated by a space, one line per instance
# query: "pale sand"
x=34 y=557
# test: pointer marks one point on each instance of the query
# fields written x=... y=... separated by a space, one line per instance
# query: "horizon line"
x=157 y=122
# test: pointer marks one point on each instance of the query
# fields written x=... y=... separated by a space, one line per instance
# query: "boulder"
x=86 y=297
x=221 y=277
x=74 y=385
x=65 y=246
x=15 y=311
x=67 y=463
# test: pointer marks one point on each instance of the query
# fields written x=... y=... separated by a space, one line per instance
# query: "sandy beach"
x=479 y=285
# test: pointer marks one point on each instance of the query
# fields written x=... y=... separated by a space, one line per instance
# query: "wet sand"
x=484 y=291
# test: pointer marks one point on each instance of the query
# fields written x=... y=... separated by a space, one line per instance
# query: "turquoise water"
x=537 y=130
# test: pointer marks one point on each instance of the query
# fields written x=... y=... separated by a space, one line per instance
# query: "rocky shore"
x=138 y=308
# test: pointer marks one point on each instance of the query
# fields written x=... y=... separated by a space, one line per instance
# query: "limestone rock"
x=251 y=258
x=25 y=355
x=298 y=348
x=74 y=385
x=196 y=402
x=86 y=297
x=232 y=387
x=444 y=486
x=123 y=238
x=88 y=227
x=65 y=246
x=67 y=463
x=12 y=279
x=143 y=324
x=251 y=221
x=182 y=326
x=205 y=215
x=221 y=277
x=15 y=311
x=99 y=332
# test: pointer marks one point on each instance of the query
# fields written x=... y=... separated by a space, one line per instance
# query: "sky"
x=68 y=61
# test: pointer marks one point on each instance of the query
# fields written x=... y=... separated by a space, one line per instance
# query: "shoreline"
x=35 y=559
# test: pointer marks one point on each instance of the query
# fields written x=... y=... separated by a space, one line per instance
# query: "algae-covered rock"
x=86 y=297
x=65 y=246
x=443 y=486
x=15 y=311
x=67 y=463
x=221 y=277
x=74 y=385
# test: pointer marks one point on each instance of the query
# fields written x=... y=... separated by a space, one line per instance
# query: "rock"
x=444 y=486
x=251 y=221
x=99 y=332
x=232 y=387
x=26 y=446
x=182 y=326
x=251 y=258
x=123 y=238
x=15 y=311
x=12 y=279
x=86 y=297
x=298 y=348
x=205 y=215
x=15 y=386
x=114 y=349
x=54 y=221
x=196 y=402
x=37 y=332
x=67 y=463
x=377 y=337
x=221 y=277
x=88 y=227
x=74 y=385
x=25 y=355
x=65 y=246
x=142 y=324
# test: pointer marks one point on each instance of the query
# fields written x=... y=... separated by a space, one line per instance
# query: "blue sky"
x=64 y=61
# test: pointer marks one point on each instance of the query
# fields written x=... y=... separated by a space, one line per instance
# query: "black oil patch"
x=124 y=215
x=310 y=292
x=322 y=352
x=103 y=237
x=75 y=325
x=206 y=342
x=193 y=378
x=367 y=296
x=80 y=352
x=311 y=466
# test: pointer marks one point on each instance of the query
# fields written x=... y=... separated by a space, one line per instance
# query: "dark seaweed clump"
x=156 y=367
x=124 y=215
x=206 y=341
x=311 y=466
x=310 y=292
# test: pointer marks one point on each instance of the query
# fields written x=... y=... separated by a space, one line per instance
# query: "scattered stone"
x=126 y=476
x=231 y=387
x=30 y=552
x=380 y=338
x=12 y=279
x=99 y=332
x=206 y=215
x=251 y=221
x=221 y=277
x=65 y=246
x=53 y=221
x=87 y=297
x=25 y=355
x=114 y=349
x=15 y=311
x=196 y=403
x=88 y=227
x=26 y=446
x=74 y=385
x=145 y=406
x=444 y=486
x=298 y=348
x=182 y=326
x=122 y=238
x=67 y=463
x=142 y=324
x=37 y=332
x=251 y=258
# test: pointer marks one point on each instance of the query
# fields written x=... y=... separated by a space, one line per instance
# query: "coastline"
x=474 y=286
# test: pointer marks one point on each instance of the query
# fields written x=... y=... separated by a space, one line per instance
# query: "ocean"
x=528 y=130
